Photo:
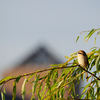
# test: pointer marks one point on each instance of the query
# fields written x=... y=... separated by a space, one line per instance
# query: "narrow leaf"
x=5 y=79
x=98 y=93
x=2 y=95
x=90 y=33
x=14 y=90
x=73 y=54
x=77 y=38
x=97 y=63
x=4 y=90
x=93 y=48
x=98 y=33
x=34 y=84
x=84 y=37
x=59 y=84
x=23 y=89
x=87 y=86
x=95 y=41
x=54 y=65
x=62 y=92
x=18 y=78
x=30 y=77
x=66 y=57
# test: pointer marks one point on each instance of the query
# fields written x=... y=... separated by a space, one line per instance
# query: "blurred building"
x=40 y=59
x=37 y=60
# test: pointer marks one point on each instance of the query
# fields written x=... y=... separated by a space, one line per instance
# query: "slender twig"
x=89 y=72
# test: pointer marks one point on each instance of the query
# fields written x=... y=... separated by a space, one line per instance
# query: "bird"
x=83 y=61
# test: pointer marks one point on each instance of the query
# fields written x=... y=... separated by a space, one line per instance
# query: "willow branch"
x=89 y=72
x=27 y=74
x=40 y=71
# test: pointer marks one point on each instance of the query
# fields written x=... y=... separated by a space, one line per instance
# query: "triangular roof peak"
x=41 y=56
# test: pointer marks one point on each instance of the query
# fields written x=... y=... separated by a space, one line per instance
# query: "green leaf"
x=90 y=34
x=74 y=54
x=58 y=85
x=4 y=90
x=92 y=64
x=83 y=94
x=40 y=87
x=14 y=90
x=93 y=48
x=97 y=63
x=50 y=73
x=84 y=37
x=23 y=88
x=95 y=41
x=67 y=57
x=35 y=84
x=98 y=33
x=54 y=65
x=5 y=79
x=30 y=77
x=72 y=58
x=87 y=95
x=77 y=38
x=92 y=93
x=98 y=93
x=39 y=97
x=33 y=98
x=62 y=99
x=58 y=94
x=65 y=73
x=2 y=95
x=86 y=87
x=43 y=92
x=55 y=74
x=18 y=78
x=62 y=92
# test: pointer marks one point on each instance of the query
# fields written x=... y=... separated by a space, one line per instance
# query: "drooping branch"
x=2 y=82
x=40 y=71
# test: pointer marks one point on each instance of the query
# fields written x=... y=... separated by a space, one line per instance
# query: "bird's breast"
x=82 y=61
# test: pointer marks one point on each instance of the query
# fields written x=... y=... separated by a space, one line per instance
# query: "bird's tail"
x=86 y=75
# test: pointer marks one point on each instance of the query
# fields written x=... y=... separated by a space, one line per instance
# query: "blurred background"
x=26 y=26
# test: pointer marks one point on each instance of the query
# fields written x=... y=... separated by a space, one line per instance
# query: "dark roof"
x=41 y=56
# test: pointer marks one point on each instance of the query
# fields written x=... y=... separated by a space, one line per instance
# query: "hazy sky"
x=26 y=24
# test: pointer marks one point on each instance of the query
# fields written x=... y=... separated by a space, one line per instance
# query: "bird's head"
x=81 y=52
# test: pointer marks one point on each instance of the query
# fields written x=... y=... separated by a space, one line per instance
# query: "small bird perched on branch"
x=83 y=61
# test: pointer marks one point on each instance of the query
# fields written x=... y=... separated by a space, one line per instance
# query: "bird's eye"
x=79 y=53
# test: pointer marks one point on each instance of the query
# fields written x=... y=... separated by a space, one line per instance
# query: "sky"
x=27 y=24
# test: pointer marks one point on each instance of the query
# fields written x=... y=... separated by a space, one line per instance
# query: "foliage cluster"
x=55 y=84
